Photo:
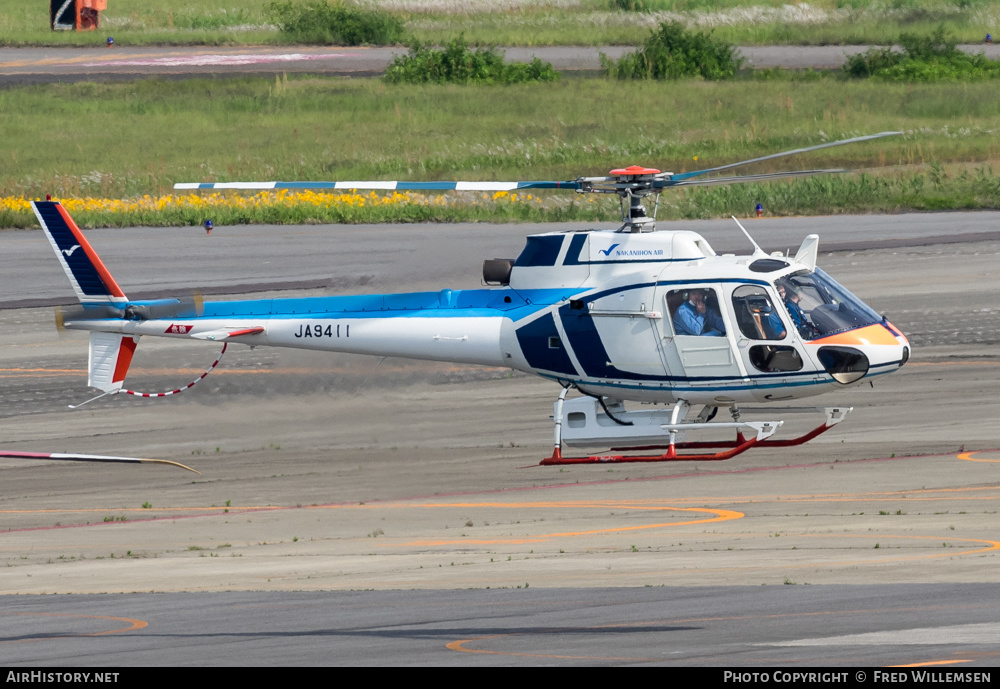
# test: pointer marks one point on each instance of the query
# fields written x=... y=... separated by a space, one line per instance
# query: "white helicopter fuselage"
x=594 y=310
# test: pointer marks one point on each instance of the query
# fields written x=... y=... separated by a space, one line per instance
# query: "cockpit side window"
x=695 y=312
x=756 y=314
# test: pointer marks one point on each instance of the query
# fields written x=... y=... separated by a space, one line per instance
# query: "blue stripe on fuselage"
x=444 y=304
x=751 y=384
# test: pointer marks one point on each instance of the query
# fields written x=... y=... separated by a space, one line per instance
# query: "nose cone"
x=850 y=356
x=902 y=343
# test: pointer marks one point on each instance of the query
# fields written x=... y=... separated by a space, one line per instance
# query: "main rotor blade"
x=385 y=186
x=842 y=142
x=74 y=457
x=659 y=181
x=741 y=179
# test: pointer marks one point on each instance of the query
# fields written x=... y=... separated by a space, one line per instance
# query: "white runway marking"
x=933 y=636
x=207 y=60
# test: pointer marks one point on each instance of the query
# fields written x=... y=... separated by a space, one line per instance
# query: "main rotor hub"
x=631 y=184
x=635 y=182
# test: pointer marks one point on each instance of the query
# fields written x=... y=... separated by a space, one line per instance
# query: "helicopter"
x=626 y=315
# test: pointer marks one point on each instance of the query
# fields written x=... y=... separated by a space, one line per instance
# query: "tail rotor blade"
x=68 y=314
x=183 y=307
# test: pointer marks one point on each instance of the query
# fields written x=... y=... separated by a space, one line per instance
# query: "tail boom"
x=469 y=339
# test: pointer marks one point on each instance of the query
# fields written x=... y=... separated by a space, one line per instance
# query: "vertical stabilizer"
x=90 y=278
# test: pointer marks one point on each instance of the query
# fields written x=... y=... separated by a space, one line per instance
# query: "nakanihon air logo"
x=630 y=253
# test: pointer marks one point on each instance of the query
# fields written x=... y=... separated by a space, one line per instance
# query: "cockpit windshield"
x=820 y=306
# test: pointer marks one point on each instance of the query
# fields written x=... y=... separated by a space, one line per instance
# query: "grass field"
x=526 y=22
x=124 y=141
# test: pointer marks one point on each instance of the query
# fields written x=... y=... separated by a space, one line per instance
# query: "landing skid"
x=592 y=426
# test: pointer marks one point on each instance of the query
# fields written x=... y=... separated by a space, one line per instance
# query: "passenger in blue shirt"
x=693 y=317
x=774 y=329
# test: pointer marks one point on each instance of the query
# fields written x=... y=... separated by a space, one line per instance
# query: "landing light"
x=845 y=364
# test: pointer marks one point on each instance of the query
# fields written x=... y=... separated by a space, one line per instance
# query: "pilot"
x=791 y=297
x=694 y=317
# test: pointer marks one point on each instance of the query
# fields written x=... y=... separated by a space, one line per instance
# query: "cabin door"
x=695 y=342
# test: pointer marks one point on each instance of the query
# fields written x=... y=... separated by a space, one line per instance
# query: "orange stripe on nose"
x=869 y=335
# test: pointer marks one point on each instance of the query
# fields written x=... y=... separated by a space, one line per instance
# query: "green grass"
x=151 y=133
x=525 y=22
x=742 y=22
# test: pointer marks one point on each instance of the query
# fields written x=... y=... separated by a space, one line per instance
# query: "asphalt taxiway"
x=350 y=510
x=100 y=63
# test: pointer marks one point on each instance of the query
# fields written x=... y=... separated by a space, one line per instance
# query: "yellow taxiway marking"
x=133 y=625
x=967 y=456
x=720 y=516
x=990 y=545
x=919 y=495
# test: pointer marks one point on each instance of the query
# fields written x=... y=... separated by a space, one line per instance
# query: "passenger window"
x=695 y=312
x=771 y=358
x=756 y=315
